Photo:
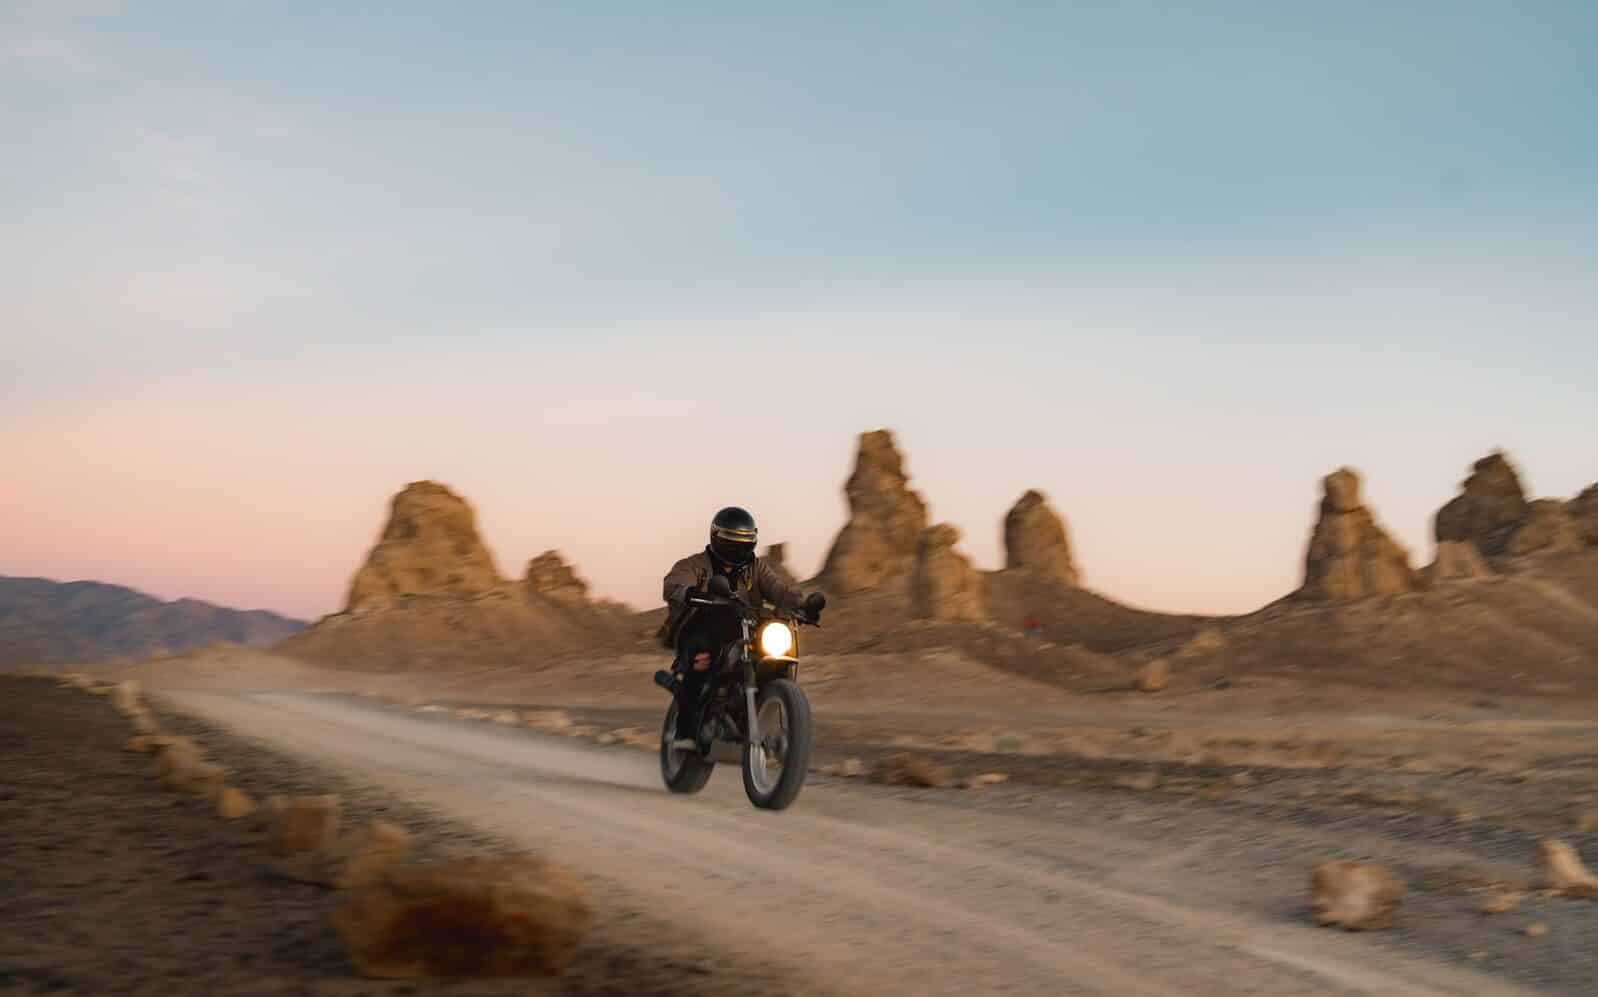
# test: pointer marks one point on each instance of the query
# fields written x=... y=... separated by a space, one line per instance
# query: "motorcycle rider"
x=699 y=634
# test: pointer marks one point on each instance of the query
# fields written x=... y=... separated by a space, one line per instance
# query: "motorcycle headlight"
x=776 y=640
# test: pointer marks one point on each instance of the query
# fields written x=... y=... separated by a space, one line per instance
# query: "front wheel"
x=683 y=771
x=775 y=768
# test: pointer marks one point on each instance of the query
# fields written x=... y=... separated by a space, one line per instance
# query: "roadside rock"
x=196 y=778
x=143 y=722
x=1154 y=676
x=358 y=859
x=1502 y=903
x=1490 y=507
x=430 y=545
x=849 y=768
x=125 y=698
x=306 y=824
x=944 y=586
x=548 y=720
x=550 y=577
x=1457 y=560
x=234 y=804
x=1536 y=929
x=1036 y=540
x=1351 y=557
x=1206 y=641
x=911 y=770
x=986 y=779
x=1359 y=896
x=169 y=757
x=498 y=917
x=1564 y=873
x=879 y=542
x=1547 y=529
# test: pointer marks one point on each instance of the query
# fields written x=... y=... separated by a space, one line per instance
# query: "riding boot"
x=691 y=705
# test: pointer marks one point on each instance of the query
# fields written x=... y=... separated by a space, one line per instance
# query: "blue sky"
x=1210 y=248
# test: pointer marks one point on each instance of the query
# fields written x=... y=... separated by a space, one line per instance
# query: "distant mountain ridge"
x=45 y=622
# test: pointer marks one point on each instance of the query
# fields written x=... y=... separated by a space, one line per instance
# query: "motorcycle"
x=754 y=710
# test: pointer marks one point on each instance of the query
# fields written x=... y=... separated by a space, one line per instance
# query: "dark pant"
x=704 y=632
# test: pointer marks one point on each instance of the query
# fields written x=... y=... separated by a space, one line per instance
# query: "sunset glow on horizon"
x=602 y=275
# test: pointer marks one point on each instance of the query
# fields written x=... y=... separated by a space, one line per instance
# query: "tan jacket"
x=756 y=584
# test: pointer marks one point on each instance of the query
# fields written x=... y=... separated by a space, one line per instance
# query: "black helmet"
x=732 y=536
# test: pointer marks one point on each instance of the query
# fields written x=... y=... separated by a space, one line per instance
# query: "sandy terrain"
x=1023 y=889
x=114 y=886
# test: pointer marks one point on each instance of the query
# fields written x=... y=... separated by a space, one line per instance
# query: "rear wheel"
x=681 y=769
x=775 y=768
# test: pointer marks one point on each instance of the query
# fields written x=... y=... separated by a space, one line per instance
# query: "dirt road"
x=873 y=891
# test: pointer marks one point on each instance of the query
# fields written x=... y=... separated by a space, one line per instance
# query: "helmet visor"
x=733 y=546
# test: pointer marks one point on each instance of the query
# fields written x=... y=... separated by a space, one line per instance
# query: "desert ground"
x=1139 y=843
x=1018 y=786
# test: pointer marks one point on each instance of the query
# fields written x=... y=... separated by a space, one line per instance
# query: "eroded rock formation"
x=1488 y=509
x=1036 y=540
x=550 y=577
x=944 y=585
x=886 y=519
x=1350 y=556
x=429 y=546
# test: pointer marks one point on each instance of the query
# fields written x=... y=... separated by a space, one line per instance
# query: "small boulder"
x=170 y=757
x=1501 y=903
x=1535 y=929
x=1206 y=641
x=234 y=804
x=849 y=768
x=306 y=824
x=986 y=779
x=911 y=770
x=196 y=778
x=144 y=722
x=1564 y=873
x=355 y=860
x=1154 y=676
x=125 y=697
x=548 y=720
x=1359 y=896
x=482 y=917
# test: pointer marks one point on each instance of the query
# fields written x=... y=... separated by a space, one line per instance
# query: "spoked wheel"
x=775 y=768
x=682 y=769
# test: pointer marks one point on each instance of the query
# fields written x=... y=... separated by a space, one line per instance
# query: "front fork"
x=749 y=698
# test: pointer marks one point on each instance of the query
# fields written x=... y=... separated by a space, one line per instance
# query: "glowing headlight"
x=776 y=640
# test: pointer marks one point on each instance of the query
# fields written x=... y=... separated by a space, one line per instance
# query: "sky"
x=603 y=268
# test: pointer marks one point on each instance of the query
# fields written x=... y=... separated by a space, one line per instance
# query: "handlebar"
x=793 y=615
